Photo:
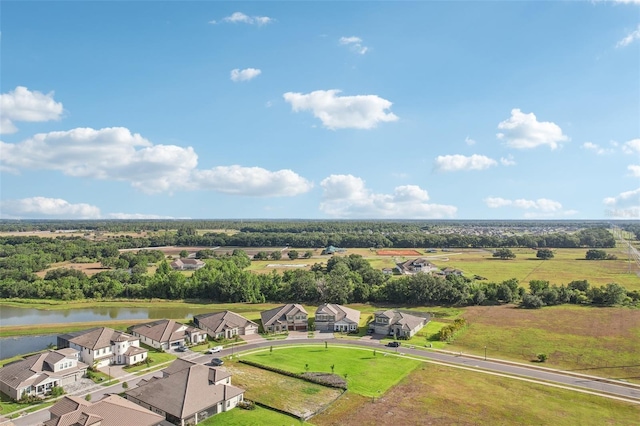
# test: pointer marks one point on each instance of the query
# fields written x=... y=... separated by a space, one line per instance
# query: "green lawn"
x=156 y=358
x=367 y=374
x=257 y=417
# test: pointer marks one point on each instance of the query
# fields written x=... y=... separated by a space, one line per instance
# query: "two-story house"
x=416 y=265
x=225 y=324
x=166 y=334
x=396 y=323
x=332 y=317
x=291 y=316
x=103 y=346
x=37 y=374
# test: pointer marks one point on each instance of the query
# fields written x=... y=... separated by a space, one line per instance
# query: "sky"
x=320 y=110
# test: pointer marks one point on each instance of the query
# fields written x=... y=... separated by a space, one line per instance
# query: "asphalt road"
x=584 y=382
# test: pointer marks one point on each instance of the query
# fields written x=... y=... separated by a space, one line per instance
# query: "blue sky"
x=381 y=110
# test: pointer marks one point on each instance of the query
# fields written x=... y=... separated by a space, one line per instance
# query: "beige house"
x=417 y=265
x=103 y=346
x=332 y=317
x=225 y=324
x=187 y=393
x=396 y=323
x=166 y=334
x=288 y=317
x=37 y=374
x=187 y=264
x=112 y=410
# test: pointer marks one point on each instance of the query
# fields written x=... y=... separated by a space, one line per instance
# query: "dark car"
x=393 y=344
x=217 y=362
x=181 y=349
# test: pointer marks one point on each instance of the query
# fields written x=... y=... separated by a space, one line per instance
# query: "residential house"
x=396 y=323
x=37 y=374
x=167 y=333
x=103 y=346
x=417 y=265
x=451 y=271
x=112 y=410
x=333 y=250
x=187 y=264
x=187 y=393
x=225 y=324
x=388 y=271
x=332 y=317
x=291 y=316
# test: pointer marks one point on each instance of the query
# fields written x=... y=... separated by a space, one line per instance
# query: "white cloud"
x=634 y=169
x=542 y=204
x=253 y=181
x=623 y=198
x=632 y=146
x=629 y=38
x=245 y=74
x=454 y=163
x=347 y=196
x=21 y=104
x=42 y=207
x=469 y=141
x=627 y=1
x=354 y=43
x=342 y=112
x=596 y=148
x=117 y=154
x=524 y=131
x=508 y=160
x=241 y=18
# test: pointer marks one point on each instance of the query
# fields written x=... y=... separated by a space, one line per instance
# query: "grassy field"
x=366 y=374
x=257 y=417
x=599 y=341
x=302 y=398
x=442 y=395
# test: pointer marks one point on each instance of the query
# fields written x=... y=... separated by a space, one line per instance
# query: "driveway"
x=297 y=335
x=253 y=338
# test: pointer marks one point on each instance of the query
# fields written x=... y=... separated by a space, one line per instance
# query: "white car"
x=214 y=350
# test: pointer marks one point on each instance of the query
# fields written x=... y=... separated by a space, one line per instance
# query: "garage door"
x=301 y=327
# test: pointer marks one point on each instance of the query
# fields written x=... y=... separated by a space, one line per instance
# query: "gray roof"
x=97 y=338
x=184 y=392
x=219 y=321
x=162 y=330
x=35 y=369
x=403 y=319
x=280 y=314
x=110 y=411
x=340 y=312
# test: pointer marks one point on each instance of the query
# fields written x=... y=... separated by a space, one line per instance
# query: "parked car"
x=217 y=362
x=393 y=344
x=181 y=349
x=214 y=350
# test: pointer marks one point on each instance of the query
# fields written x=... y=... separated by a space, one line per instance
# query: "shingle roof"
x=34 y=369
x=97 y=338
x=340 y=312
x=403 y=319
x=280 y=314
x=218 y=321
x=162 y=330
x=184 y=392
x=110 y=411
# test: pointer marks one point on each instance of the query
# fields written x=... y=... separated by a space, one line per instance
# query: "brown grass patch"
x=398 y=253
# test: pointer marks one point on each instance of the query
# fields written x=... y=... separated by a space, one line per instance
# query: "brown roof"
x=340 y=312
x=34 y=369
x=403 y=319
x=184 y=392
x=97 y=338
x=163 y=330
x=218 y=321
x=110 y=411
x=280 y=314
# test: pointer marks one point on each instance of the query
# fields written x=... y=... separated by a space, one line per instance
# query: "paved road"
x=588 y=383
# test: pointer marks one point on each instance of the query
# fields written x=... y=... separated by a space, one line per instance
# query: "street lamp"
x=485 y=352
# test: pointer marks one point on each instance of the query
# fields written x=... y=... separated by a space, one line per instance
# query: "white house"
x=104 y=346
x=332 y=317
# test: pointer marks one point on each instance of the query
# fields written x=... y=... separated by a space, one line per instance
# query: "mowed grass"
x=366 y=374
x=257 y=417
x=302 y=398
x=598 y=341
x=434 y=394
x=566 y=266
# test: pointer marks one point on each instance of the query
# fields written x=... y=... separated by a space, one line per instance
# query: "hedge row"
x=295 y=375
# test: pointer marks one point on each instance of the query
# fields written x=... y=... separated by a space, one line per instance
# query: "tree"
x=275 y=255
x=613 y=294
x=544 y=254
x=531 y=301
x=504 y=253
x=308 y=254
x=293 y=254
x=541 y=357
x=595 y=255
x=261 y=255
x=184 y=254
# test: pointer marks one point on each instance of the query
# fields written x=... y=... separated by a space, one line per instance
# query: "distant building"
x=417 y=265
x=187 y=264
x=333 y=250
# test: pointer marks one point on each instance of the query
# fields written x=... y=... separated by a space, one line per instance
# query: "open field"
x=302 y=398
x=366 y=374
x=598 y=341
x=398 y=252
x=257 y=417
x=441 y=395
x=88 y=268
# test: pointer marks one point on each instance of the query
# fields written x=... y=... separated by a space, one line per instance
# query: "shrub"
x=57 y=391
x=542 y=357
x=88 y=397
x=247 y=405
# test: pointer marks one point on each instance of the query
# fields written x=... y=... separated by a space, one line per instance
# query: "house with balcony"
x=37 y=374
x=291 y=316
x=103 y=346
